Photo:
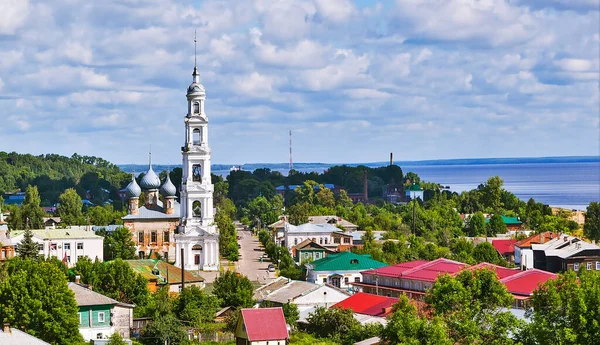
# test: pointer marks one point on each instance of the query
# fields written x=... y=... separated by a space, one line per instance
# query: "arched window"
x=197 y=208
x=196 y=108
x=197 y=173
x=196 y=136
x=197 y=247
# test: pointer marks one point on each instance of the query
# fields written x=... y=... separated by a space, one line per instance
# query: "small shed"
x=262 y=326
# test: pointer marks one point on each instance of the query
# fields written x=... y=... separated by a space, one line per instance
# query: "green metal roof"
x=508 y=220
x=346 y=261
x=414 y=187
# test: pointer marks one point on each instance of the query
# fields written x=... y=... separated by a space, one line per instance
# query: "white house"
x=341 y=270
x=415 y=192
x=65 y=244
x=326 y=235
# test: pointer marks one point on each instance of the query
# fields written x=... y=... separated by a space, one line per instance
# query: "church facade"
x=197 y=241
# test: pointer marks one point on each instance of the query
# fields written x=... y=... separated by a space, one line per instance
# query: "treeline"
x=53 y=174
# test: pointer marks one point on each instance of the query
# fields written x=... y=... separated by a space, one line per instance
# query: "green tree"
x=31 y=212
x=27 y=247
x=34 y=296
x=485 y=252
x=325 y=197
x=591 y=228
x=69 y=208
x=234 y=290
x=299 y=213
x=492 y=193
x=116 y=339
x=496 y=226
x=406 y=326
x=305 y=193
x=118 y=244
x=565 y=311
x=476 y=225
x=196 y=306
x=330 y=323
x=291 y=313
x=164 y=329
x=344 y=200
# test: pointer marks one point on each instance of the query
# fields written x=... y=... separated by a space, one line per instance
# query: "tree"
x=164 y=329
x=234 y=290
x=291 y=313
x=31 y=212
x=325 y=197
x=118 y=244
x=27 y=247
x=299 y=213
x=476 y=225
x=591 y=228
x=344 y=200
x=34 y=296
x=496 y=226
x=492 y=193
x=330 y=323
x=196 y=306
x=116 y=339
x=406 y=326
x=565 y=311
x=69 y=208
x=485 y=252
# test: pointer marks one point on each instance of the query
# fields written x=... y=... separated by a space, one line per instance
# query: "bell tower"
x=198 y=235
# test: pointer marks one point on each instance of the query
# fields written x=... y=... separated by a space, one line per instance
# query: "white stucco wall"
x=318 y=276
x=92 y=333
x=324 y=295
x=92 y=248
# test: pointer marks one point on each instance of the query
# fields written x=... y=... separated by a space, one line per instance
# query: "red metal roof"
x=368 y=304
x=420 y=270
x=265 y=324
x=537 y=238
x=505 y=246
x=525 y=282
x=396 y=270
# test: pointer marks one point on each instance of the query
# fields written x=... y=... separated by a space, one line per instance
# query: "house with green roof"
x=340 y=269
x=414 y=191
x=512 y=223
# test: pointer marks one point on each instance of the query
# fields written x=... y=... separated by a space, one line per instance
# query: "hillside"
x=92 y=177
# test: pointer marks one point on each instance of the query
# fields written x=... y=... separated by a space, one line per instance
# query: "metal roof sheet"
x=160 y=271
x=16 y=336
x=263 y=324
x=87 y=297
x=345 y=261
x=368 y=304
x=156 y=212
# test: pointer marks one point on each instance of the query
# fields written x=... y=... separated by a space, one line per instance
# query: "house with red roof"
x=368 y=308
x=411 y=278
x=261 y=326
x=506 y=248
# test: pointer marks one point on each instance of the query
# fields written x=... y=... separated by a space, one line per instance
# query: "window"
x=68 y=258
x=321 y=240
x=196 y=108
x=336 y=240
x=67 y=246
x=166 y=236
x=325 y=240
x=166 y=256
x=346 y=239
x=324 y=280
x=357 y=279
x=52 y=246
x=99 y=336
x=153 y=236
x=140 y=237
x=354 y=261
x=295 y=241
x=101 y=317
x=197 y=173
x=576 y=267
x=346 y=280
x=197 y=259
x=196 y=137
x=588 y=266
x=197 y=208
x=40 y=246
x=142 y=255
x=79 y=245
x=597 y=265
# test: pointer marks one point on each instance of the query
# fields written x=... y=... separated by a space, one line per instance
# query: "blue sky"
x=425 y=79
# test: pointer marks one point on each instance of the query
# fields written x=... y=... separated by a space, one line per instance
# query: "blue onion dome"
x=132 y=189
x=168 y=188
x=150 y=180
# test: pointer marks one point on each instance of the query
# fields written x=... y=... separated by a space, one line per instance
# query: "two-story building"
x=326 y=235
x=101 y=316
x=342 y=270
x=564 y=253
x=278 y=228
x=159 y=273
x=308 y=250
x=68 y=245
x=523 y=252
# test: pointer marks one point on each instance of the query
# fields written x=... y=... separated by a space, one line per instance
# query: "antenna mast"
x=194 y=48
x=291 y=161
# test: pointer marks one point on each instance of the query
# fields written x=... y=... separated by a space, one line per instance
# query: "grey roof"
x=311 y=228
x=168 y=188
x=16 y=336
x=283 y=290
x=157 y=212
x=133 y=190
x=564 y=246
x=150 y=179
x=334 y=220
x=87 y=297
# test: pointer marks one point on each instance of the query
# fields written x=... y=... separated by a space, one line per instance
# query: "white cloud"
x=336 y=11
x=304 y=53
x=107 y=121
x=574 y=65
x=13 y=14
x=347 y=70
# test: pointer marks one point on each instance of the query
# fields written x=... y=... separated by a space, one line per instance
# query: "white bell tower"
x=198 y=235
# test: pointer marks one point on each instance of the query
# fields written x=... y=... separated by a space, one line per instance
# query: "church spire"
x=196 y=75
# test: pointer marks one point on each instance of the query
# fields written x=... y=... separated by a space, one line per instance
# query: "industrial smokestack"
x=391 y=158
x=365 y=186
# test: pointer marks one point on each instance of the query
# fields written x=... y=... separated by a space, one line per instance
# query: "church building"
x=153 y=225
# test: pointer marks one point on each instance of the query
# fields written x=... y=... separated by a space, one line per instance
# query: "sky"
x=352 y=80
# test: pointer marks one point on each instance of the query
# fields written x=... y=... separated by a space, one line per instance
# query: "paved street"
x=249 y=263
